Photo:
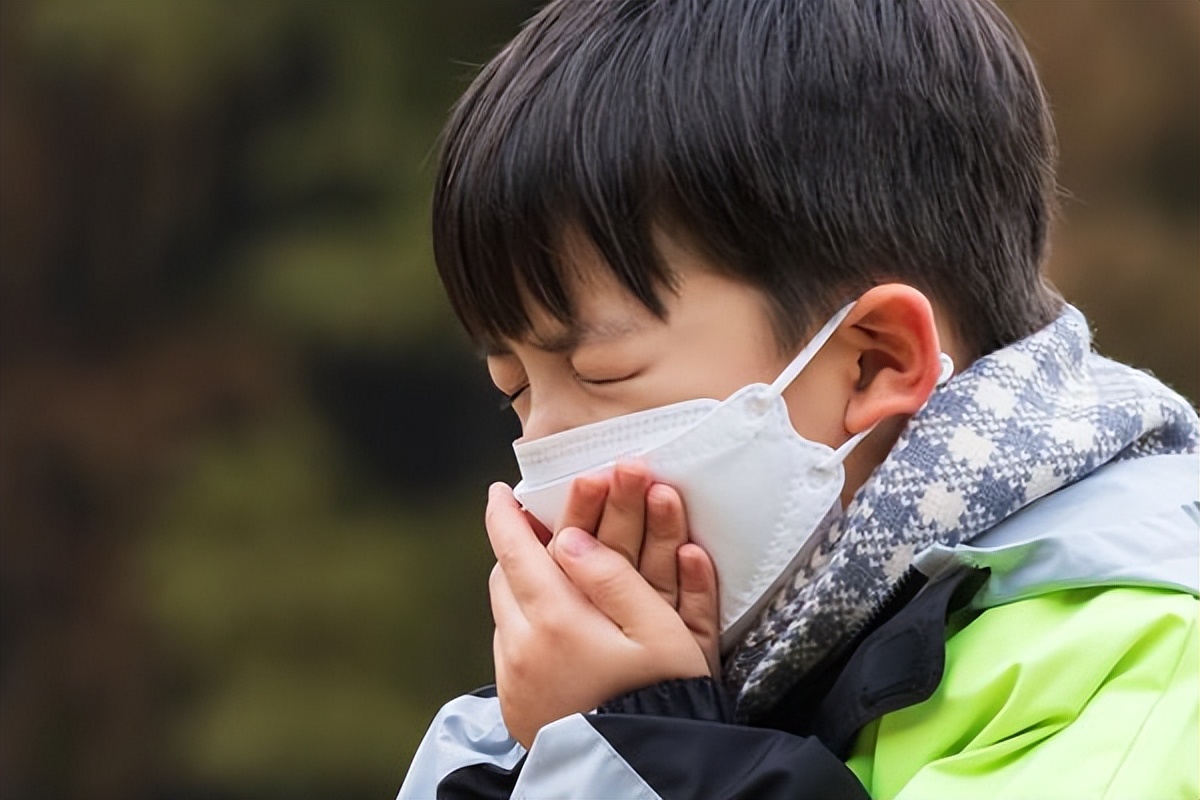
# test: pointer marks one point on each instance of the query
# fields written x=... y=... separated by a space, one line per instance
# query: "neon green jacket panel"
x=1084 y=693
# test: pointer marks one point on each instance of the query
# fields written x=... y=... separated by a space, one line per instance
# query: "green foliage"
x=314 y=628
x=307 y=619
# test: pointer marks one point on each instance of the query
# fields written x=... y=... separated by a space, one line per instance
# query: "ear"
x=893 y=331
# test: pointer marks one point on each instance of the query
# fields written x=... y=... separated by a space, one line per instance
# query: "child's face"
x=618 y=357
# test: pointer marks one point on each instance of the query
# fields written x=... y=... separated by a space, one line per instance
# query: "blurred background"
x=243 y=447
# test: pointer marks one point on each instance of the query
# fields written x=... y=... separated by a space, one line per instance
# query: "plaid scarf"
x=1016 y=425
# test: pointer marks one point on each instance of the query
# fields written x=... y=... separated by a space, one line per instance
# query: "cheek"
x=706 y=377
x=717 y=367
x=816 y=407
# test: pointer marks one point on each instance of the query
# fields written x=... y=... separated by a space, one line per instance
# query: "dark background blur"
x=243 y=448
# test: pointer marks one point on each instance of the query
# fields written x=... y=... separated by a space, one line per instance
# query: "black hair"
x=813 y=148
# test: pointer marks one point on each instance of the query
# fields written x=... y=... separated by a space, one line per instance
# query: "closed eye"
x=507 y=400
x=605 y=381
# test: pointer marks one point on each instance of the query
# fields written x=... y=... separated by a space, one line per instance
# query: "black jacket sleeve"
x=679 y=736
x=676 y=739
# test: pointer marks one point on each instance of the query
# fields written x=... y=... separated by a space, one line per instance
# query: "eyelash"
x=507 y=400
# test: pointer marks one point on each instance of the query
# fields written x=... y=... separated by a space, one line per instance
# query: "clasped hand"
x=615 y=600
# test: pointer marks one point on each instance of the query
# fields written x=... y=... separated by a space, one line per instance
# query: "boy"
x=724 y=257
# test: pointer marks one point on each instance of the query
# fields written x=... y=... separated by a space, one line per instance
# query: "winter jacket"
x=1055 y=656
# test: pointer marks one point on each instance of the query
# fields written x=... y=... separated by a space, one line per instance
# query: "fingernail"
x=660 y=495
x=632 y=472
x=575 y=542
x=592 y=485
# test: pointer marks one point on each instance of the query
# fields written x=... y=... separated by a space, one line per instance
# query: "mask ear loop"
x=947 y=371
x=839 y=455
x=806 y=355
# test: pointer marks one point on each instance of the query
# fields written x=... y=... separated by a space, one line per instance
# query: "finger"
x=510 y=622
x=666 y=531
x=529 y=571
x=585 y=503
x=698 y=602
x=506 y=611
x=623 y=523
x=608 y=580
x=498 y=665
x=539 y=530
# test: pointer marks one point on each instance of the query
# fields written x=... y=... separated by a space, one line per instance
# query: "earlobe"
x=893 y=331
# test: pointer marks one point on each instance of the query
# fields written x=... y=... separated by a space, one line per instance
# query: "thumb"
x=607 y=579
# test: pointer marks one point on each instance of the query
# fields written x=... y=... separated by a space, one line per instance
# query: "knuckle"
x=663 y=524
x=626 y=504
x=553 y=624
x=607 y=583
x=504 y=550
x=627 y=552
x=517 y=667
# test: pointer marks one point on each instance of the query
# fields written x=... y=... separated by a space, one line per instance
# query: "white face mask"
x=755 y=491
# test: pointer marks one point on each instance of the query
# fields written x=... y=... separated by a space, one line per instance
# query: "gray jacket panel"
x=1091 y=534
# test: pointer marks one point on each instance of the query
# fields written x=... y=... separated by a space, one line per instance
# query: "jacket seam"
x=612 y=753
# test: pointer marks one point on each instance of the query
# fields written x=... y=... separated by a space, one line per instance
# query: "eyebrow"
x=574 y=336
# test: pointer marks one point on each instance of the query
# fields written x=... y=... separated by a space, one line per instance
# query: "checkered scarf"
x=1016 y=425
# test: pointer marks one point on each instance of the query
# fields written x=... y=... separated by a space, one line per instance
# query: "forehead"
x=601 y=309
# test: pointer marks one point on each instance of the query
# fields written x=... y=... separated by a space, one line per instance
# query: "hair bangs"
x=812 y=148
x=548 y=144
